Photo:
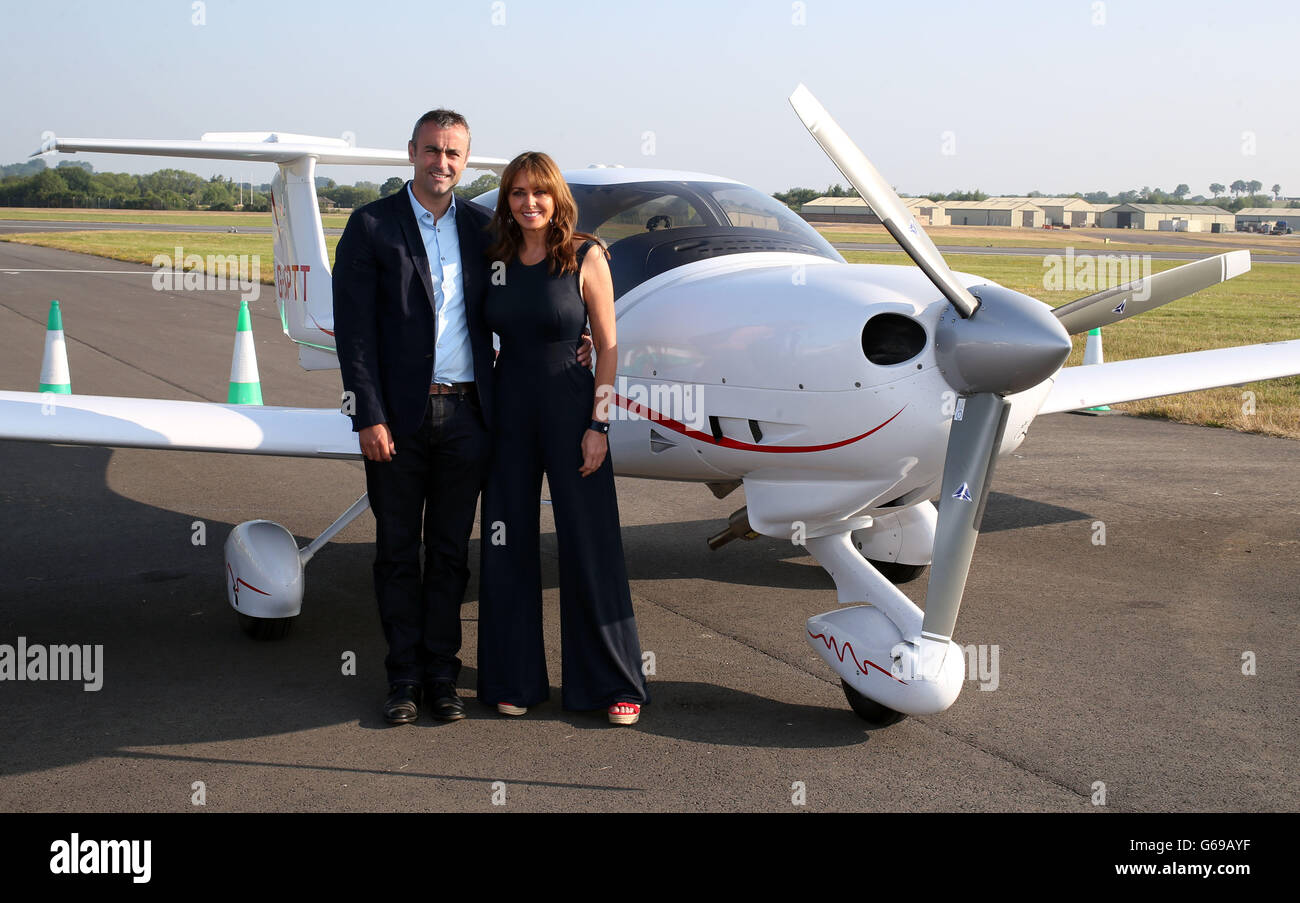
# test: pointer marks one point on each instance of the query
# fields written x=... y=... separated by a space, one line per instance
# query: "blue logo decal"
x=1122 y=305
x=963 y=493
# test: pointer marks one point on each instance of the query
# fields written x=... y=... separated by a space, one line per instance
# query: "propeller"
x=1141 y=295
x=884 y=203
x=993 y=342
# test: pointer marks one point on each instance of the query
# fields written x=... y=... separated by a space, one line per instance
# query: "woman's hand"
x=594 y=448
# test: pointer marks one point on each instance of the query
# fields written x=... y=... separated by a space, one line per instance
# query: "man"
x=416 y=361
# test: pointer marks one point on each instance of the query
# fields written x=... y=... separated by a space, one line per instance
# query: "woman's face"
x=530 y=205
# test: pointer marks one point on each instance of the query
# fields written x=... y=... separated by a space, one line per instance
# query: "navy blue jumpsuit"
x=543 y=400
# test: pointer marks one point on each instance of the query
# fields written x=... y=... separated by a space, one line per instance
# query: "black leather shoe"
x=444 y=704
x=403 y=704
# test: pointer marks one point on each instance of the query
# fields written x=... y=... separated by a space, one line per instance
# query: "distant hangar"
x=1057 y=212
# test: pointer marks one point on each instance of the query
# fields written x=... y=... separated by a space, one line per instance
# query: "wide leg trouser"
x=427 y=493
x=544 y=410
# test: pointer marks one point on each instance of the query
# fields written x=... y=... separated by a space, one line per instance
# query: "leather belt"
x=460 y=389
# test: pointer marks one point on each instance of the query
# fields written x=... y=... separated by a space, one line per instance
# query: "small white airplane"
x=845 y=398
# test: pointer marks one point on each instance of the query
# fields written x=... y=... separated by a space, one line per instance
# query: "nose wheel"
x=869 y=710
x=264 y=628
x=896 y=572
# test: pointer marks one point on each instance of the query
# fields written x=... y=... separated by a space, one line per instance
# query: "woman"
x=550 y=418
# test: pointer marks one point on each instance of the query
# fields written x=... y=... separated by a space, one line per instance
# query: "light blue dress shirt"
x=453 y=356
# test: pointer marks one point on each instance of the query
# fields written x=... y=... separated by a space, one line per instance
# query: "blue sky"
x=1056 y=95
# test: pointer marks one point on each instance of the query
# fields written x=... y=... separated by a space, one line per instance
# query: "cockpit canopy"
x=654 y=226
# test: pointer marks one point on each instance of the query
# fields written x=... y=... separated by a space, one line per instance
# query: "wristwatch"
x=599 y=427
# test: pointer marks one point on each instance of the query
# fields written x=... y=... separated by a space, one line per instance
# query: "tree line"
x=76 y=184
x=1244 y=194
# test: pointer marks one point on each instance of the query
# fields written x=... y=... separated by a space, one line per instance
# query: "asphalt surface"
x=1118 y=663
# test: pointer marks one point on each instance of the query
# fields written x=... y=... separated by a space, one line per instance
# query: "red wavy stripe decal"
x=726 y=442
x=245 y=582
x=862 y=665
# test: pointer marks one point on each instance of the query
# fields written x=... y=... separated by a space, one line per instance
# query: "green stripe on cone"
x=245 y=386
x=244 y=393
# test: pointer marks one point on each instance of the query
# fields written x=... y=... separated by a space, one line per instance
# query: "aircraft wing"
x=1075 y=388
x=104 y=420
x=260 y=147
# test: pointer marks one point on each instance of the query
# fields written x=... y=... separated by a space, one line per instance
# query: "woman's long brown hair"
x=509 y=238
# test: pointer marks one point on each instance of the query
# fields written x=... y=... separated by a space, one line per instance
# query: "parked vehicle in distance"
x=1281 y=228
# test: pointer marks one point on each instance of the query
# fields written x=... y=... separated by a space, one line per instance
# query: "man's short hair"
x=443 y=119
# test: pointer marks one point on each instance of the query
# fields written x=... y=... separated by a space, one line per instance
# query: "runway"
x=1255 y=256
x=1119 y=663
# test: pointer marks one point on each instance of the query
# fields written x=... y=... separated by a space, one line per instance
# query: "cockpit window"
x=746 y=207
x=667 y=211
x=653 y=227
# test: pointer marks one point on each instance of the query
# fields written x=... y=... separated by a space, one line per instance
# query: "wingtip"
x=49 y=143
x=1235 y=263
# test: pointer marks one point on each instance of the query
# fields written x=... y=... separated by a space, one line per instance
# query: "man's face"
x=439 y=156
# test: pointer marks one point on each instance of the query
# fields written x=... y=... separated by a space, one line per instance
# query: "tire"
x=869 y=710
x=897 y=573
x=264 y=628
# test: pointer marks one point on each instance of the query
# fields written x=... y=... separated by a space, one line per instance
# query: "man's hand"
x=584 y=351
x=377 y=443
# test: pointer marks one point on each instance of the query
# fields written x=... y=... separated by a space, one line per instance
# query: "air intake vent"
x=892 y=339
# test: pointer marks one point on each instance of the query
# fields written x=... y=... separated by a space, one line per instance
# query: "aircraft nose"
x=1010 y=344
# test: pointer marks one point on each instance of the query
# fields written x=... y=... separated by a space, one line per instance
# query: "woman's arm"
x=598 y=293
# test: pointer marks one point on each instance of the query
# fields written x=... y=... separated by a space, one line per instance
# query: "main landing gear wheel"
x=869 y=710
x=265 y=628
x=896 y=572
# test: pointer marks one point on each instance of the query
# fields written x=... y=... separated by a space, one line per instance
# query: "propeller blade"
x=973 y=443
x=876 y=192
x=1150 y=292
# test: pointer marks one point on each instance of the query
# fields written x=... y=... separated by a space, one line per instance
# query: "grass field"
x=162 y=217
x=142 y=246
x=1260 y=306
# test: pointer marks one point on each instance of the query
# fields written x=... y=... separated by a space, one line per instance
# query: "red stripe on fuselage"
x=726 y=442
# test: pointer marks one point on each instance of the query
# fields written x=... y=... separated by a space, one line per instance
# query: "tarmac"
x=1121 y=680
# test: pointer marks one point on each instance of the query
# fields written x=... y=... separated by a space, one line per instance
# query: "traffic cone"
x=1092 y=355
x=245 y=387
x=54 y=366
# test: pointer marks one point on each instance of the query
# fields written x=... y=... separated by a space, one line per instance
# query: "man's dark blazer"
x=383 y=311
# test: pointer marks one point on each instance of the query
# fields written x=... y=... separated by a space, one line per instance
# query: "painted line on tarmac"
x=53 y=270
